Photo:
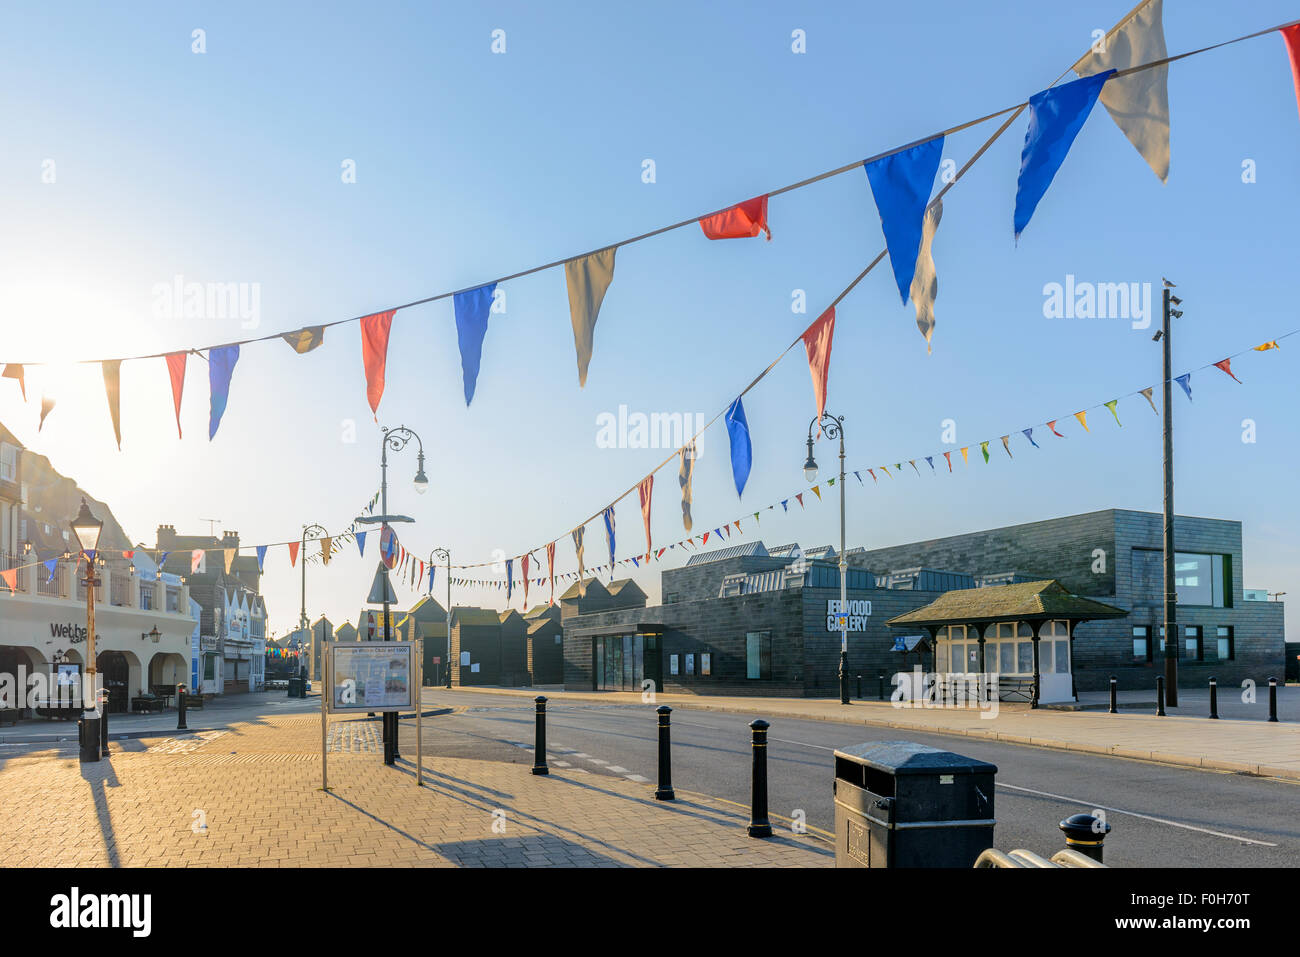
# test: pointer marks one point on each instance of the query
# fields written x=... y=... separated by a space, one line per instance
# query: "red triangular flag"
x=1291 y=36
x=742 y=221
x=176 y=370
x=374 y=354
x=10 y=578
x=1052 y=425
x=800 y=498
x=293 y=553
x=1226 y=366
x=817 y=341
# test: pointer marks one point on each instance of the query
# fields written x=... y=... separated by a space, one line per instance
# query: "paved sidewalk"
x=1248 y=746
x=250 y=796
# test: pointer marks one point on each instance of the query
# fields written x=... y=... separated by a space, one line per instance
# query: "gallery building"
x=1081 y=596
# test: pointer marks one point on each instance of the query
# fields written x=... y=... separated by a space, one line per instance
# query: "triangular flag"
x=817 y=491
x=227 y=556
x=885 y=469
x=1225 y=365
x=472 y=308
x=1185 y=381
x=912 y=462
x=857 y=475
x=293 y=553
x=361 y=543
x=1113 y=405
x=510 y=578
x=785 y=505
x=1055 y=117
x=964 y=460
x=608 y=516
x=47 y=406
x=817 y=340
x=705 y=539
x=930 y=460
x=1146 y=394
x=685 y=473
x=196 y=559
x=645 y=491
x=925 y=282
x=577 y=547
x=901 y=185
x=326 y=549
x=13 y=371
x=221 y=366
x=1052 y=425
x=742 y=452
x=550 y=569
x=831 y=482
x=176 y=373
x=1083 y=419
x=1272 y=343
x=1029 y=434
x=306 y=339
x=799 y=498
x=1007 y=446
x=10 y=577
x=742 y=221
x=587 y=279
x=984 y=449
x=872 y=473
x=261 y=556
x=374 y=354
x=948 y=456
x=1139 y=101
x=1291 y=37
x=113 y=388
x=51 y=565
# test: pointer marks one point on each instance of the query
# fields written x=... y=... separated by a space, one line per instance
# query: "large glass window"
x=758 y=655
x=1194 y=646
x=1199 y=578
x=1062 y=655
x=1024 y=657
x=1227 y=646
x=1006 y=657
x=1142 y=642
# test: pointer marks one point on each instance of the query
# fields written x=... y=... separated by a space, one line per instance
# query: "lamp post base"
x=844 y=677
x=89 y=738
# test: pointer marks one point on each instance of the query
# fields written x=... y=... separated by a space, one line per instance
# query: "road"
x=1161 y=816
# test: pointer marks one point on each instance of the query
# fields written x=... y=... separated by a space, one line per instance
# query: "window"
x=758 y=655
x=1006 y=657
x=706 y=663
x=1199 y=578
x=690 y=664
x=1046 y=658
x=1227 y=643
x=672 y=665
x=8 y=462
x=1024 y=658
x=1193 y=644
x=146 y=597
x=1162 y=640
x=1142 y=642
x=1062 y=656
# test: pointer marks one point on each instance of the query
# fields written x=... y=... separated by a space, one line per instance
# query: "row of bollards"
x=759 y=825
x=1214 y=697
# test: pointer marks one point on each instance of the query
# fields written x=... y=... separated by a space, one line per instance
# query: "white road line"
x=1145 y=817
x=616 y=769
x=637 y=778
x=580 y=754
x=597 y=761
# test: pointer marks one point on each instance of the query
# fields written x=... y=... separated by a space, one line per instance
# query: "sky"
x=228 y=166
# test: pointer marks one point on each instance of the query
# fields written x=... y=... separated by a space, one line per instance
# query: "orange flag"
x=374 y=354
x=176 y=370
x=10 y=578
x=293 y=553
x=742 y=221
x=1226 y=364
x=13 y=371
x=817 y=341
x=1052 y=425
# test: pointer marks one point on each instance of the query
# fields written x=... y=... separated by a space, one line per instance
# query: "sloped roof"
x=622 y=585
x=345 y=632
x=427 y=609
x=474 y=616
x=541 y=624
x=594 y=590
x=503 y=616
x=1019 y=602
x=731 y=551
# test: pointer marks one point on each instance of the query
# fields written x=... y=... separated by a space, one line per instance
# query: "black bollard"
x=859 y=687
x=539 y=742
x=664 y=792
x=759 y=826
x=1272 y=699
x=1114 y=695
x=1085 y=834
x=103 y=722
x=180 y=709
x=1214 y=698
x=880 y=677
x=1160 y=696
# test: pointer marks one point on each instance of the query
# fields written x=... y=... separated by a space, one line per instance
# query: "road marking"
x=616 y=769
x=560 y=764
x=580 y=754
x=637 y=778
x=597 y=761
x=1145 y=817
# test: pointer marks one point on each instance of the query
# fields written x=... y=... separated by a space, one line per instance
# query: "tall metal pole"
x=90 y=705
x=387 y=721
x=1171 y=593
x=844 y=586
x=304 y=622
x=447 y=660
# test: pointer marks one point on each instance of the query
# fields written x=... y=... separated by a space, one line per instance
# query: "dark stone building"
x=545 y=645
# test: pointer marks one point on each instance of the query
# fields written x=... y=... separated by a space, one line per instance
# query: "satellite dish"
x=381 y=589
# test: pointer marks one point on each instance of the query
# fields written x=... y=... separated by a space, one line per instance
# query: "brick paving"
x=249 y=795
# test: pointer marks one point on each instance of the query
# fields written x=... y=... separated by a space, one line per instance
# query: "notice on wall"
x=371 y=677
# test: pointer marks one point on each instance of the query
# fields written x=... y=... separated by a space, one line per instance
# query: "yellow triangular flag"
x=963 y=455
x=1271 y=344
x=817 y=491
x=1083 y=419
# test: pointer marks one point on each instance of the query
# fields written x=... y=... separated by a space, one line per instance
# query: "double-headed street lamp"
x=445 y=555
x=309 y=532
x=396 y=439
x=834 y=428
x=87 y=528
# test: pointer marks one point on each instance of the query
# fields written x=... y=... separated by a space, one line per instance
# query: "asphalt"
x=1161 y=816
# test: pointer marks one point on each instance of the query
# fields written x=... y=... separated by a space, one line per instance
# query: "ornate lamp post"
x=834 y=428
x=445 y=555
x=309 y=532
x=86 y=528
x=395 y=439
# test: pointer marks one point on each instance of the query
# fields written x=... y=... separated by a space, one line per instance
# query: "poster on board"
x=371 y=677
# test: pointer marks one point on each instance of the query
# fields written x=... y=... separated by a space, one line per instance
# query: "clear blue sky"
x=225 y=167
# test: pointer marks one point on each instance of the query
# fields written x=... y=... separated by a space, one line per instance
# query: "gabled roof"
x=1025 y=601
x=427 y=609
x=504 y=616
x=731 y=551
x=625 y=586
x=345 y=632
x=541 y=624
x=474 y=616
x=594 y=590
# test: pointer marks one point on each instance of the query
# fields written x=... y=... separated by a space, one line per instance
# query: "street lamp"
x=445 y=555
x=87 y=528
x=1171 y=591
x=834 y=428
x=312 y=532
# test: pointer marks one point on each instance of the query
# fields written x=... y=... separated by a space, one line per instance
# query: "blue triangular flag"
x=261 y=556
x=1186 y=382
x=1055 y=117
x=785 y=505
x=928 y=458
x=221 y=365
x=90 y=555
x=472 y=308
x=901 y=184
x=741 y=451
x=858 y=477
x=361 y=543
x=1029 y=434
x=433 y=569
x=52 y=564
x=510 y=576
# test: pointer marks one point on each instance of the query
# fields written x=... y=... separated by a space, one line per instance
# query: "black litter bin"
x=901 y=804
